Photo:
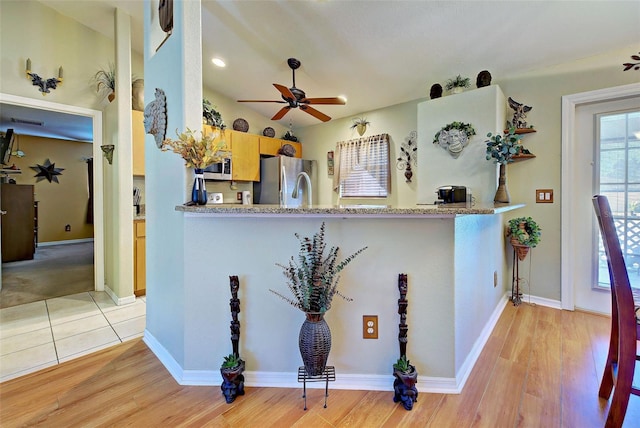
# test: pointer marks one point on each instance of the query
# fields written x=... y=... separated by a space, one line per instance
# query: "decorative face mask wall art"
x=454 y=137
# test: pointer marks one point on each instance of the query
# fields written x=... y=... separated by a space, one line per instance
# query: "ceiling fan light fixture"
x=218 y=62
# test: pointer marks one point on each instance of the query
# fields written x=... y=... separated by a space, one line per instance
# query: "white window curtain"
x=362 y=167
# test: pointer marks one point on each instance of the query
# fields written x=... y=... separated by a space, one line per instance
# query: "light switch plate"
x=544 y=196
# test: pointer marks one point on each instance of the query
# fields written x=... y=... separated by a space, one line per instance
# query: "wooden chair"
x=625 y=327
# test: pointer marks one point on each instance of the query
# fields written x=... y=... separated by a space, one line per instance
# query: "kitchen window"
x=362 y=167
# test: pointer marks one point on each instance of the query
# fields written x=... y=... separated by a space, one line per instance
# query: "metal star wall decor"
x=48 y=171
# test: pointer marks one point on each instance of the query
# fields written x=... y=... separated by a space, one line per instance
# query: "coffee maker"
x=451 y=194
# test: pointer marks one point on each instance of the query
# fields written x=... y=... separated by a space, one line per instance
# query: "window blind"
x=363 y=167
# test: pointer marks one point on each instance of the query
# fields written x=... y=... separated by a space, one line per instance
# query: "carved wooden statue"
x=232 y=378
x=404 y=385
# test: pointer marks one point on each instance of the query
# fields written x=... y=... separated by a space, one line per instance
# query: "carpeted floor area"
x=56 y=270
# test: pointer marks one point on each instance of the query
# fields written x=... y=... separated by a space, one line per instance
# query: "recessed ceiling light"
x=218 y=62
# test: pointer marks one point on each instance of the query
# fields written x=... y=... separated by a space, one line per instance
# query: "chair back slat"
x=624 y=330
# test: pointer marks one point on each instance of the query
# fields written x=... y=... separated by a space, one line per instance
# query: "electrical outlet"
x=238 y=196
x=67 y=228
x=369 y=326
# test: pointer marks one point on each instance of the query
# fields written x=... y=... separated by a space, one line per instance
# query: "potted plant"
x=106 y=81
x=524 y=233
x=232 y=377
x=198 y=153
x=360 y=125
x=457 y=84
x=313 y=280
x=404 y=385
x=502 y=149
x=211 y=116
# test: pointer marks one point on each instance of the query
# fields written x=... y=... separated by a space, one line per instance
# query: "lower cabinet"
x=139 y=258
x=18 y=222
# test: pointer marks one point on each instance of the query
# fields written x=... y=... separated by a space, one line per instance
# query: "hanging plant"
x=106 y=81
x=525 y=230
x=360 y=124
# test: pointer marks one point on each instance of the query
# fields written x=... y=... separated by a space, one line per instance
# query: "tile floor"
x=45 y=333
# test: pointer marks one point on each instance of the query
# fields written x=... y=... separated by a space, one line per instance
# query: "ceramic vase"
x=502 y=193
x=199 y=191
x=315 y=343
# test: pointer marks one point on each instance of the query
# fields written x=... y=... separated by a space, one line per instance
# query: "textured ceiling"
x=379 y=53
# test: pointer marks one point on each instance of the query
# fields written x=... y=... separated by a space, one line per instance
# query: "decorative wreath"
x=454 y=137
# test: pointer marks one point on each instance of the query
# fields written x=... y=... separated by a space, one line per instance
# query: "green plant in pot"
x=404 y=385
x=313 y=281
x=106 y=81
x=232 y=377
x=211 y=116
x=457 y=84
x=524 y=233
x=360 y=124
x=502 y=149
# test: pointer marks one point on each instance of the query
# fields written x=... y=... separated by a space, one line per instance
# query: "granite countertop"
x=427 y=211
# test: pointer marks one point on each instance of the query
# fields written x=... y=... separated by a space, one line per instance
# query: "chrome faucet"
x=297 y=186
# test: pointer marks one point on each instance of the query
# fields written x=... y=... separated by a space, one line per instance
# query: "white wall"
x=32 y=30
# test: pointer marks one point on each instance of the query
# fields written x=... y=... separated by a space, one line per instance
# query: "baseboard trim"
x=70 y=241
x=542 y=301
x=119 y=300
x=289 y=379
x=469 y=363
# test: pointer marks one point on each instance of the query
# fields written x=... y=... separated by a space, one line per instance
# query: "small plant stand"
x=516 y=294
x=329 y=374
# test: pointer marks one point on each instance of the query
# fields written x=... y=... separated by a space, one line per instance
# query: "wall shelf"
x=522 y=157
x=522 y=131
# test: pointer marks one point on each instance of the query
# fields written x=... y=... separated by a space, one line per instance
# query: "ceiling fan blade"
x=333 y=100
x=280 y=114
x=315 y=113
x=286 y=92
x=261 y=101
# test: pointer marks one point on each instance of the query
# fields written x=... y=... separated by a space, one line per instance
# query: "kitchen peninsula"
x=454 y=257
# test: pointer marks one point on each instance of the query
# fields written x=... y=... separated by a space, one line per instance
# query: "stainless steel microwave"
x=219 y=170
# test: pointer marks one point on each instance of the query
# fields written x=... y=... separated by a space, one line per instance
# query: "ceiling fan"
x=295 y=97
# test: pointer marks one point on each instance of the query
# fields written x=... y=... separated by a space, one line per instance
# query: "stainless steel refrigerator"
x=278 y=177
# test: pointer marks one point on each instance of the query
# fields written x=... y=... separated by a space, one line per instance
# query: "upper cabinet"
x=246 y=150
x=270 y=146
x=137 y=128
x=245 y=155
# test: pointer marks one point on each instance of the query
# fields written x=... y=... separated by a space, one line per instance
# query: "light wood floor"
x=540 y=368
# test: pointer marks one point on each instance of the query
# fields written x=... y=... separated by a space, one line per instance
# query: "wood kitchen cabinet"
x=18 y=222
x=139 y=258
x=137 y=128
x=270 y=146
x=245 y=155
